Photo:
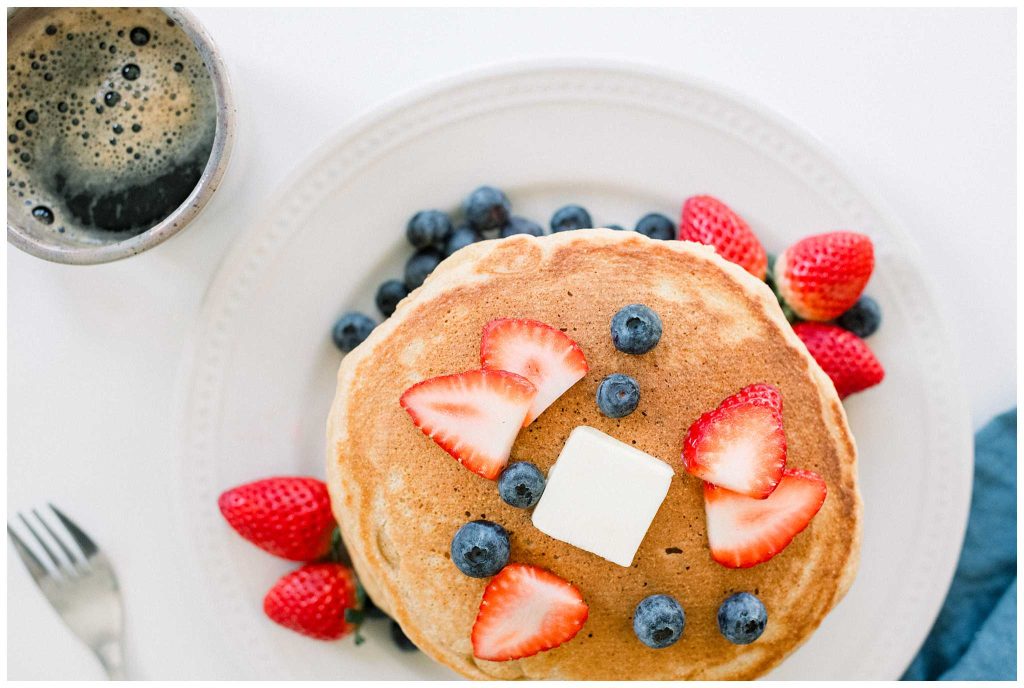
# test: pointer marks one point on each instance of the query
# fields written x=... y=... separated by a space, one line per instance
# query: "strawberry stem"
x=338 y=553
x=356 y=616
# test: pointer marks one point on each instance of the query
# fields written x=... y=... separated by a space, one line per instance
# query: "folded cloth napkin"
x=975 y=635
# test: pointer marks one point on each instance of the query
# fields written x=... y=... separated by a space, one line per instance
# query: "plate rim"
x=235 y=258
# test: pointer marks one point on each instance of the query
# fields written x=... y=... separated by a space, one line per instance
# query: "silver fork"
x=80 y=584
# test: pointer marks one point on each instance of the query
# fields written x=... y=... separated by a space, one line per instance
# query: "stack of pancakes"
x=399 y=498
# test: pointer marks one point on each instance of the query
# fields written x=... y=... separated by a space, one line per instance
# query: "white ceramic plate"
x=622 y=141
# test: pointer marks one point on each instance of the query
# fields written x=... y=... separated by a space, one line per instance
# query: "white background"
x=919 y=104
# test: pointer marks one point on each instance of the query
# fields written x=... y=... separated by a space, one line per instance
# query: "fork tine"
x=34 y=566
x=60 y=543
x=42 y=543
x=87 y=546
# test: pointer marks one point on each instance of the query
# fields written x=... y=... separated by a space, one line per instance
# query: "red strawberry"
x=322 y=601
x=526 y=610
x=707 y=220
x=474 y=416
x=822 y=276
x=844 y=357
x=741 y=444
x=288 y=517
x=743 y=532
x=543 y=355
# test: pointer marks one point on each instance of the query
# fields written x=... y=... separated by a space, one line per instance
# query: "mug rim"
x=189 y=209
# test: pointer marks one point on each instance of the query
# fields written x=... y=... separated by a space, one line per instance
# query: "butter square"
x=601 y=495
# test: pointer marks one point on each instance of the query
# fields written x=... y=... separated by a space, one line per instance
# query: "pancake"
x=399 y=498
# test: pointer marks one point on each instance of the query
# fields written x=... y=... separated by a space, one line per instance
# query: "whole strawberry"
x=288 y=517
x=822 y=276
x=322 y=601
x=844 y=357
x=707 y=220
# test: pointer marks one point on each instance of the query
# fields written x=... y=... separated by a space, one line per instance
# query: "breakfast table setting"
x=153 y=376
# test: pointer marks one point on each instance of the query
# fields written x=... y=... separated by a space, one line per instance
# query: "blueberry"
x=487 y=208
x=520 y=225
x=521 y=484
x=863 y=318
x=636 y=329
x=428 y=228
x=570 y=217
x=389 y=294
x=400 y=639
x=351 y=329
x=617 y=228
x=658 y=621
x=742 y=618
x=618 y=395
x=372 y=611
x=461 y=236
x=480 y=549
x=656 y=226
x=419 y=266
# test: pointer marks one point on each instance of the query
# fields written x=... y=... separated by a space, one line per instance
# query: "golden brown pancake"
x=399 y=498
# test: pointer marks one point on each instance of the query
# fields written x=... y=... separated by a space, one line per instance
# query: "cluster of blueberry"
x=487 y=214
x=658 y=620
x=636 y=329
x=480 y=548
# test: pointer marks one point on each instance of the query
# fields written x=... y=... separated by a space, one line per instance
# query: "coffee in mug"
x=111 y=120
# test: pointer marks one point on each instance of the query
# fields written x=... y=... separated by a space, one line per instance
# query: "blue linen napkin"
x=975 y=635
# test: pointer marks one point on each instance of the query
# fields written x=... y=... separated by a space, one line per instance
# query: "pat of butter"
x=601 y=495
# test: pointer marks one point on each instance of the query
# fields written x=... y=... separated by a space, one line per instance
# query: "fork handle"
x=111 y=657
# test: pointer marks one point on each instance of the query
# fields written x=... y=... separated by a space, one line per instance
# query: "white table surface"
x=919 y=104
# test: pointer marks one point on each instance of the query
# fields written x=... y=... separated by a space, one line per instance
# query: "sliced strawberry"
x=822 y=276
x=707 y=220
x=844 y=357
x=526 y=610
x=741 y=444
x=474 y=416
x=743 y=531
x=543 y=355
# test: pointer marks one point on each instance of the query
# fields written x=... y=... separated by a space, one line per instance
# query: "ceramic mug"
x=90 y=245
